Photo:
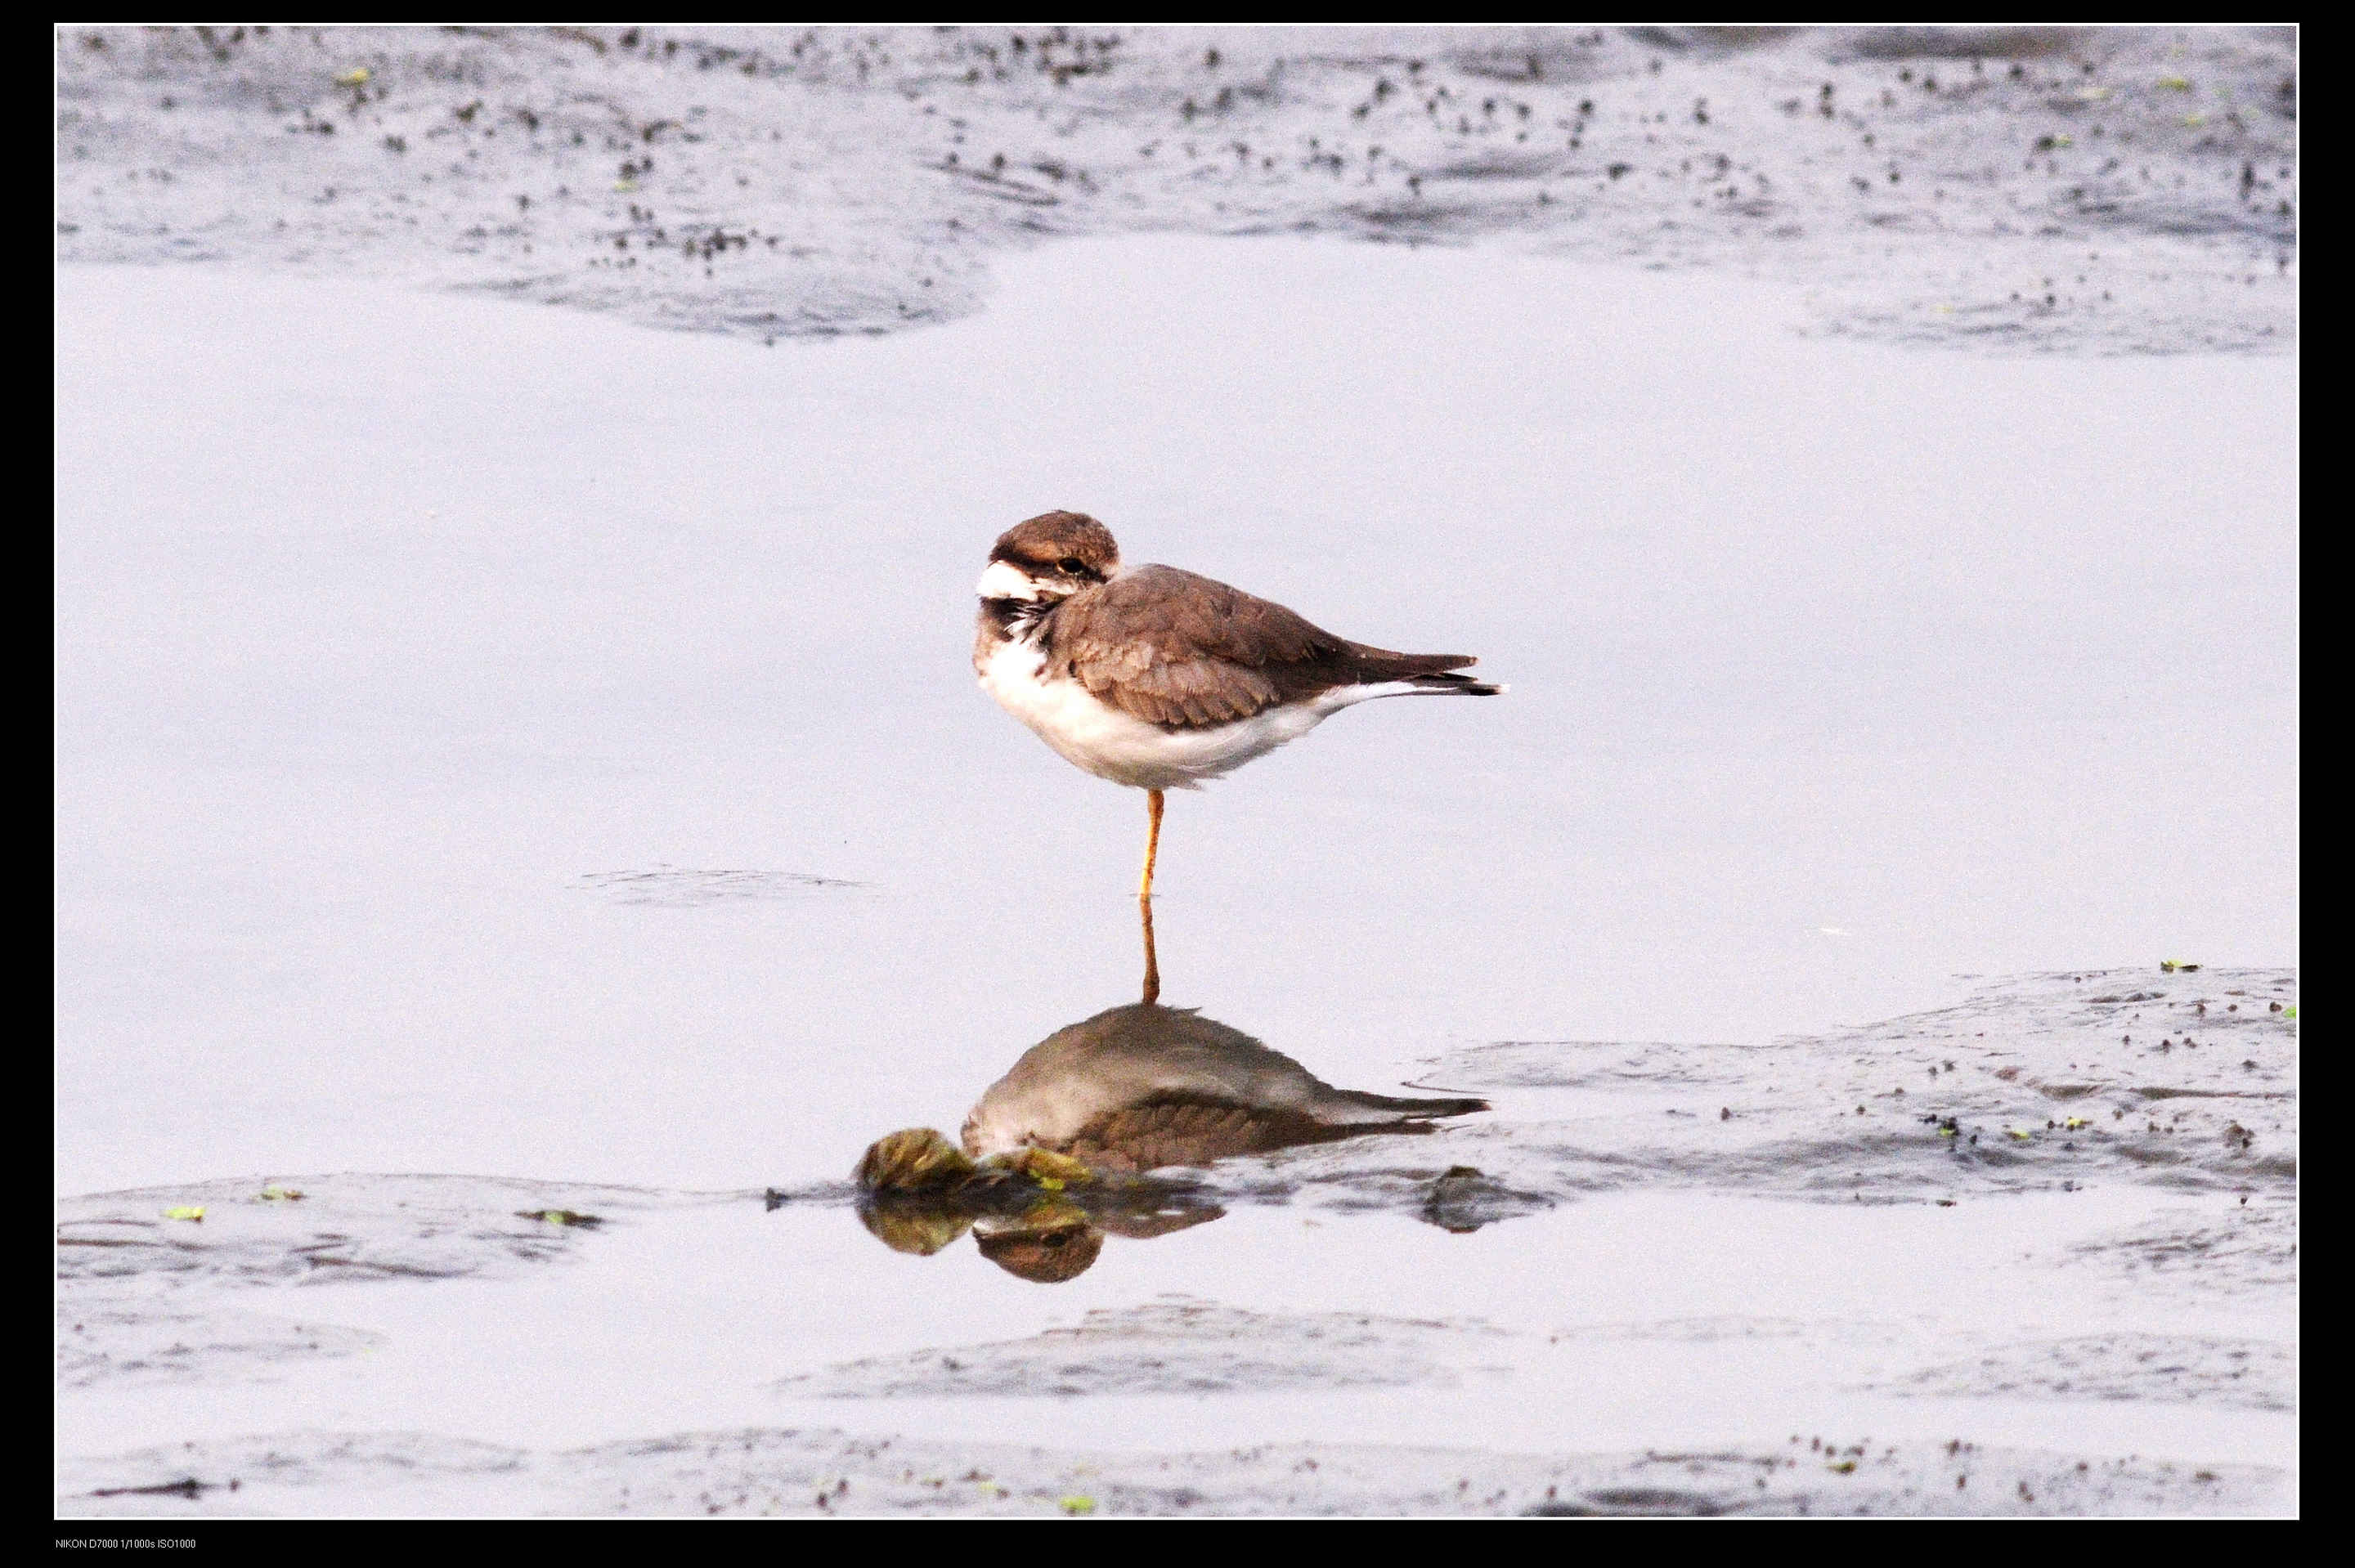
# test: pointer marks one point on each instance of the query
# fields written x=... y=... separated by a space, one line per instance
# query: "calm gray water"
x=513 y=741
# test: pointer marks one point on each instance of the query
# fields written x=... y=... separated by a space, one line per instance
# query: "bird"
x=1141 y=1087
x=1160 y=679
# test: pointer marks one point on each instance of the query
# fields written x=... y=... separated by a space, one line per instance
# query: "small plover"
x=1159 y=679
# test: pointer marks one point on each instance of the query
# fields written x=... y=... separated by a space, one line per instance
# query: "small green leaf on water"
x=356 y=77
x=561 y=1217
x=1079 y=1505
x=2290 y=1011
x=1844 y=1467
x=2074 y=1122
x=2018 y=1134
x=186 y=1211
x=2174 y=83
x=275 y=1194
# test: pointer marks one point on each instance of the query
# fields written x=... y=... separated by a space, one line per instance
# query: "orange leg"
x=1144 y=895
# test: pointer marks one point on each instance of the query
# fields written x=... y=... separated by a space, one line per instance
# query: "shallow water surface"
x=493 y=740
x=498 y=741
x=1625 y=1307
x=2092 y=1315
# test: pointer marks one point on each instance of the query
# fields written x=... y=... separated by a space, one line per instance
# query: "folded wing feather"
x=1182 y=650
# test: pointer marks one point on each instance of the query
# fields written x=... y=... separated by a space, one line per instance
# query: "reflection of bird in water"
x=1036 y=1214
x=1053 y=1241
x=1040 y=1181
x=1158 y=679
x=1144 y=1085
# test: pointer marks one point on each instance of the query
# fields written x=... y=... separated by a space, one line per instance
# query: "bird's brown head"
x=1045 y=1249
x=1051 y=557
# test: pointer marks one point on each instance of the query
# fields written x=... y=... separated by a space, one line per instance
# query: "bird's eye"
x=1073 y=565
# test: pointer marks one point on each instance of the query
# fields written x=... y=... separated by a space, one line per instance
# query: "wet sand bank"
x=2018 y=190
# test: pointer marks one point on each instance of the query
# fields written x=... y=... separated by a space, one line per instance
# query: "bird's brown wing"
x=1177 y=1129
x=1185 y=653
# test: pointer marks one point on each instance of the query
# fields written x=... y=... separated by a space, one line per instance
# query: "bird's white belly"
x=1092 y=734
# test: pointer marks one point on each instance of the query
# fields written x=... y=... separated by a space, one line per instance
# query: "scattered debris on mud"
x=768 y=1472
x=2043 y=1082
x=2125 y=190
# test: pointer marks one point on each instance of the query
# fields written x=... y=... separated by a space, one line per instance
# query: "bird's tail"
x=1355 y=1106
x=1435 y=672
x=1461 y=686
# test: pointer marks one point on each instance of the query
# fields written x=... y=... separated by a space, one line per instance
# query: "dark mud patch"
x=1723 y=1327
x=2249 y=1374
x=1599 y=1064
x=678 y=887
x=138 y=1345
x=1175 y=1345
x=2183 y=1080
x=2245 y=1248
x=152 y=1283
x=2124 y=190
x=342 y=1229
x=408 y=1474
x=765 y=1472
